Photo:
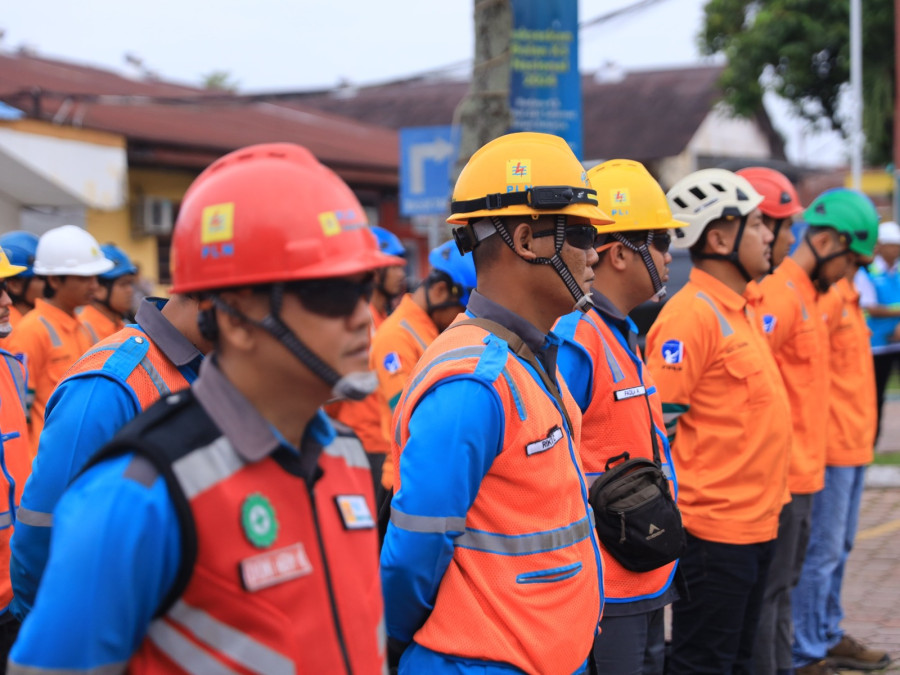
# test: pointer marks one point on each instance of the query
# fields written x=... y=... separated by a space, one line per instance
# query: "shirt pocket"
x=845 y=352
x=751 y=388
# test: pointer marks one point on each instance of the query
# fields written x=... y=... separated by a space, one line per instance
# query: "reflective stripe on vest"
x=350 y=450
x=222 y=638
x=206 y=466
x=724 y=326
x=409 y=329
x=17 y=370
x=54 y=336
x=90 y=329
x=5 y=519
x=427 y=524
x=182 y=651
x=790 y=285
x=614 y=368
x=524 y=544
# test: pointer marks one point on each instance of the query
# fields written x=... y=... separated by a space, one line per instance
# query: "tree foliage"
x=220 y=80
x=800 y=49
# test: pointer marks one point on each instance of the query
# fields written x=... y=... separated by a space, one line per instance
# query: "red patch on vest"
x=275 y=567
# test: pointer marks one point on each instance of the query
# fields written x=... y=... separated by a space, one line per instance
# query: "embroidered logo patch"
x=631 y=392
x=673 y=351
x=275 y=567
x=355 y=512
x=259 y=521
x=392 y=362
x=554 y=436
x=769 y=322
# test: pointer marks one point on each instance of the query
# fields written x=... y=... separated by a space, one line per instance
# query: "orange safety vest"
x=277 y=575
x=524 y=585
x=619 y=420
x=15 y=458
x=133 y=358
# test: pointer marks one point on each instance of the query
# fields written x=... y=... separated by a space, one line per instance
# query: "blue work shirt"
x=83 y=414
x=446 y=458
x=116 y=546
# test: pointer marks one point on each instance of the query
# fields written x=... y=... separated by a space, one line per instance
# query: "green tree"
x=800 y=49
x=220 y=80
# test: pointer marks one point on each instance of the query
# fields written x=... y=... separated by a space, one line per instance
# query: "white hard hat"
x=889 y=233
x=707 y=195
x=69 y=250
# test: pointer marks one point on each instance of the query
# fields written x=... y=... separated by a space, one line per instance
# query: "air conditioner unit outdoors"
x=153 y=216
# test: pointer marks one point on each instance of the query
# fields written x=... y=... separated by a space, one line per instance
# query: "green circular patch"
x=259 y=520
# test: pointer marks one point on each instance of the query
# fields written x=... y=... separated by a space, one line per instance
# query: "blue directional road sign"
x=427 y=155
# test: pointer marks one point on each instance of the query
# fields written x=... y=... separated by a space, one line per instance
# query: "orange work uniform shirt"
x=98 y=325
x=725 y=403
x=51 y=341
x=798 y=334
x=398 y=345
x=852 y=409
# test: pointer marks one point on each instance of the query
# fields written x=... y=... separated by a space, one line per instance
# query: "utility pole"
x=484 y=112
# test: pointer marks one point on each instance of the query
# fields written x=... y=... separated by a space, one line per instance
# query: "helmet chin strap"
x=582 y=300
x=353 y=386
x=659 y=289
x=732 y=257
x=820 y=282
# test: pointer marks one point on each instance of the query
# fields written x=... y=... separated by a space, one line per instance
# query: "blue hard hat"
x=20 y=248
x=460 y=268
x=388 y=242
x=122 y=263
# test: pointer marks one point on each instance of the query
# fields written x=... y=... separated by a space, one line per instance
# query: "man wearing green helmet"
x=849 y=448
x=799 y=336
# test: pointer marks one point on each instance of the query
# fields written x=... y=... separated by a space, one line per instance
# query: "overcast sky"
x=273 y=45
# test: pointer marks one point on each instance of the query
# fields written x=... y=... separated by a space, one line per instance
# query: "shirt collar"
x=720 y=292
x=798 y=276
x=176 y=347
x=251 y=435
x=59 y=317
x=484 y=308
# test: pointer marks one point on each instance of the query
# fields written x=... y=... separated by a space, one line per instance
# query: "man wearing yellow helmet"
x=490 y=561
x=603 y=368
x=15 y=454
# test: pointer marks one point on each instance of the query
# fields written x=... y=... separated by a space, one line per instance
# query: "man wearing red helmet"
x=772 y=646
x=230 y=526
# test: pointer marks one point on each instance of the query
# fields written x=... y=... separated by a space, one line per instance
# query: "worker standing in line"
x=229 y=526
x=491 y=562
x=23 y=288
x=51 y=337
x=798 y=335
x=604 y=370
x=364 y=417
x=419 y=318
x=727 y=416
x=107 y=387
x=15 y=451
x=109 y=308
x=772 y=650
x=879 y=296
x=850 y=443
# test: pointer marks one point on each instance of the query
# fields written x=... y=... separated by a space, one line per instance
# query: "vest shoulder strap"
x=18 y=373
x=127 y=357
x=168 y=430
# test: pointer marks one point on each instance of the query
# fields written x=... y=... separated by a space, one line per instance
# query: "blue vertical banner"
x=545 y=85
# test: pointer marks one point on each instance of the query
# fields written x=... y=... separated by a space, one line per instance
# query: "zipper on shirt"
x=334 y=610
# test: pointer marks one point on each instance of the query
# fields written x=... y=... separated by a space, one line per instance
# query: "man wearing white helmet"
x=726 y=414
x=50 y=336
x=879 y=295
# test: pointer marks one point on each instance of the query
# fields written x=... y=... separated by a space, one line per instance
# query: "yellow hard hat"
x=627 y=191
x=524 y=174
x=7 y=269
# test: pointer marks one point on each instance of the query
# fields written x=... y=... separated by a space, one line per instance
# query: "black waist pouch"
x=636 y=517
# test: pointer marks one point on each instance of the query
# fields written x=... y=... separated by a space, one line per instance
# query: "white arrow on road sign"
x=436 y=151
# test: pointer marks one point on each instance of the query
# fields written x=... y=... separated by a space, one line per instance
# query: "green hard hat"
x=847 y=211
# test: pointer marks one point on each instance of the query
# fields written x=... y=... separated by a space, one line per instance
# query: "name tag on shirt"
x=631 y=392
x=275 y=567
x=355 y=512
x=554 y=436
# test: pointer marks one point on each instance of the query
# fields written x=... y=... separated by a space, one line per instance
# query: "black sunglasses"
x=577 y=236
x=661 y=240
x=333 y=298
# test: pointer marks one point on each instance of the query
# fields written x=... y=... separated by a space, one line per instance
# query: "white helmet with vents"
x=707 y=195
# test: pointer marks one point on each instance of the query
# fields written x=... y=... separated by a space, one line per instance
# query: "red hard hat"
x=268 y=213
x=780 y=198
